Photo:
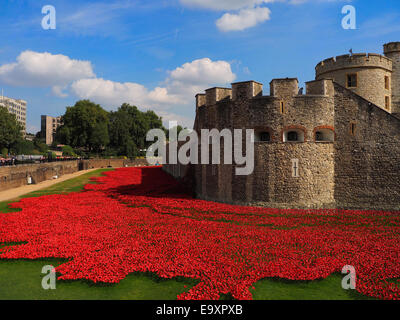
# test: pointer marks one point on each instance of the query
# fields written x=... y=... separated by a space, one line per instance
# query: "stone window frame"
x=325 y=127
x=353 y=128
x=282 y=107
x=293 y=127
x=387 y=102
x=347 y=80
x=387 y=82
x=265 y=129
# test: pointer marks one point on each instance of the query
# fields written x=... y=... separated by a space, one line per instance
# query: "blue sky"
x=157 y=54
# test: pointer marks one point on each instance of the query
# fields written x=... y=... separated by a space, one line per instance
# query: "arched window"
x=262 y=135
x=319 y=136
x=265 y=137
x=292 y=136
x=324 y=135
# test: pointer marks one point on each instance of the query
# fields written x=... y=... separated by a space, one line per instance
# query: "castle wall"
x=367 y=165
x=371 y=84
x=356 y=166
x=272 y=182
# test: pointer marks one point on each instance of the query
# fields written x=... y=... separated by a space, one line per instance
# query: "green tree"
x=40 y=145
x=63 y=135
x=23 y=146
x=128 y=129
x=10 y=129
x=68 y=151
x=85 y=125
x=99 y=137
x=4 y=152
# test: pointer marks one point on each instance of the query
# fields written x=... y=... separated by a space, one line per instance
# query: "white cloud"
x=35 y=69
x=244 y=19
x=113 y=94
x=203 y=71
x=65 y=75
x=170 y=116
x=224 y=5
x=179 y=88
x=244 y=13
x=58 y=91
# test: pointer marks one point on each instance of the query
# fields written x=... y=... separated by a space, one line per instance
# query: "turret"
x=392 y=51
x=368 y=75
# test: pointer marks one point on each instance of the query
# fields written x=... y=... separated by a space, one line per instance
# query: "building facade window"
x=353 y=128
x=265 y=137
x=292 y=136
x=387 y=102
x=263 y=134
x=295 y=168
x=282 y=107
x=387 y=83
x=324 y=134
x=352 y=80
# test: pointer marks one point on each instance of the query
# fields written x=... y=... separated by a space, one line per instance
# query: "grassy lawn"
x=21 y=279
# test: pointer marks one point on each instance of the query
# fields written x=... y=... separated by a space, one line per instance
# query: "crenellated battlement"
x=280 y=89
x=320 y=87
x=240 y=90
x=214 y=95
x=200 y=100
x=357 y=60
x=391 y=47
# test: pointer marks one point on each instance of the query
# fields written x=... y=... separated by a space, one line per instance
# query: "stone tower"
x=368 y=75
x=392 y=51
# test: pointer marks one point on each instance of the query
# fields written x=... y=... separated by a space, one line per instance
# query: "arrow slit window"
x=295 y=168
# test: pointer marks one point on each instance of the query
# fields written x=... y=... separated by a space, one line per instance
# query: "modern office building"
x=49 y=127
x=16 y=107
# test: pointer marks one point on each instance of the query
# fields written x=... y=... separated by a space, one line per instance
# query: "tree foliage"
x=23 y=146
x=10 y=129
x=123 y=132
x=68 y=151
x=128 y=129
x=85 y=125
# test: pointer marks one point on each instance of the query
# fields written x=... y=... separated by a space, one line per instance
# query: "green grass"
x=325 y=289
x=73 y=185
x=21 y=279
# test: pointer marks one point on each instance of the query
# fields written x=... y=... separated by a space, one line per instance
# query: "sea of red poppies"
x=142 y=220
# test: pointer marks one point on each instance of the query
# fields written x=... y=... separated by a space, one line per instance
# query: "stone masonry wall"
x=392 y=51
x=370 y=83
x=367 y=164
x=272 y=182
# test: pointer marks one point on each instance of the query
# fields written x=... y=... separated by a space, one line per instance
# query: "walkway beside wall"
x=20 y=191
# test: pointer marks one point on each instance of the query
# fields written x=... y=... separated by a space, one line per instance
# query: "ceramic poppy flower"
x=142 y=220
